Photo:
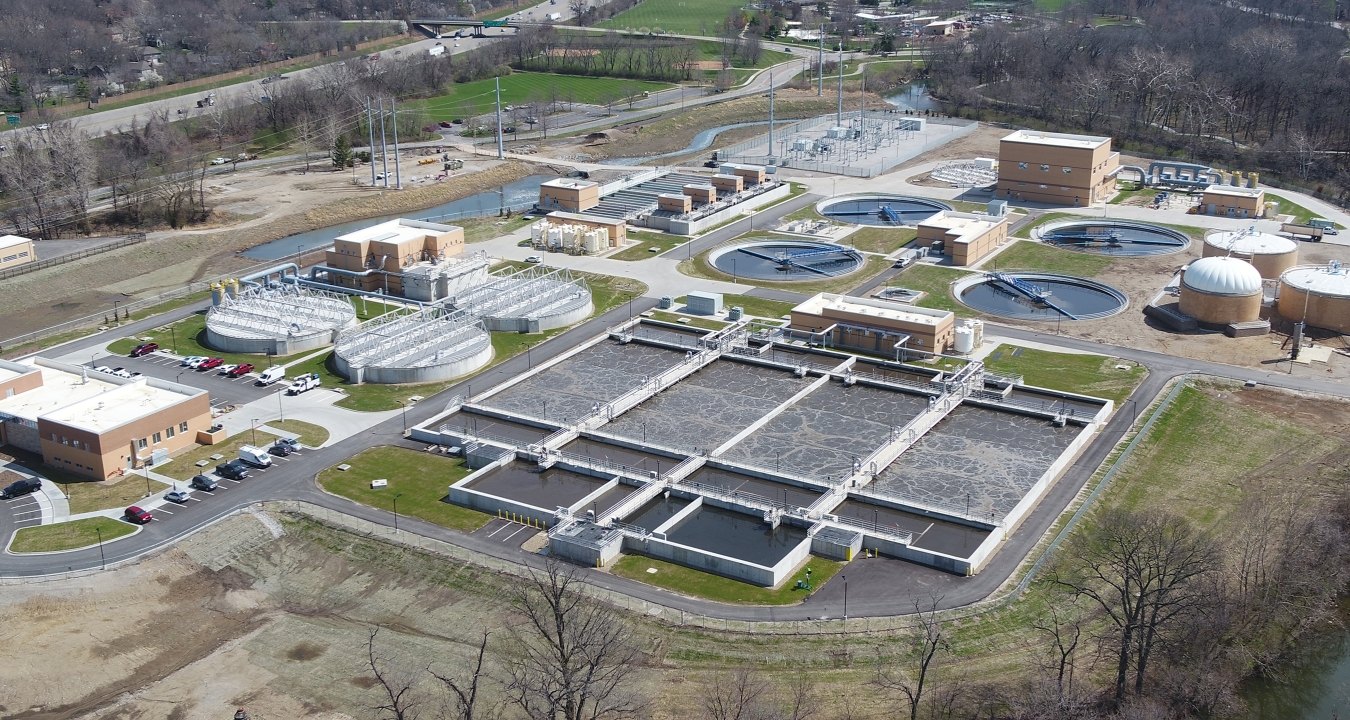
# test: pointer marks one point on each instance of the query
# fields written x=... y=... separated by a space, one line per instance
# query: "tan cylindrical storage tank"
x=1221 y=290
x=1270 y=254
x=1318 y=293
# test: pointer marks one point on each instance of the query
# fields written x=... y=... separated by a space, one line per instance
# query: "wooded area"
x=1266 y=88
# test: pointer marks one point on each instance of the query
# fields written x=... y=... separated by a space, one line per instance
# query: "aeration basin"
x=786 y=260
x=1113 y=237
x=884 y=210
x=1040 y=296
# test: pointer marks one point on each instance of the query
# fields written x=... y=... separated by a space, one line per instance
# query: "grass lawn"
x=469 y=99
x=1206 y=449
x=647 y=241
x=310 y=435
x=934 y=280
x=88 y=495
x=184 y=466
x=489 y=228
x=419 y=480
x=756 y=306
x=681 y=17
x=187 y=337
x=880 y=239
x=688 y=581
x=69 y=535
x=1289 y=207
x=1094 y=375
x=1031 y=255
x=698 y=322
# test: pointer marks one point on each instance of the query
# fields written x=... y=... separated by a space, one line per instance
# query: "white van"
x=271 y=375
x=255 y=456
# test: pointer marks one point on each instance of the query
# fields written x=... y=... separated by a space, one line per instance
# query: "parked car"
x=211 y=363
x=144 y=349
x=178 y=496
x=102 y=369
x=241 y=370
x=203 y=482
x=219 y=161
x=197 y=362
x=254 y=456
x=534 y=259
x=189 y=360
x=227 y=368
x=232 y=470
x=120 y=372
x=281 y=449
x=19 y=488
x=271 y=375
x=136 y=515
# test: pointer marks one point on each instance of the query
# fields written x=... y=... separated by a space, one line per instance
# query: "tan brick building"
x=378 y=255
x=96 y=425
x=1230 y=201
x=568 y=195
x=966 y=237
x=16 y=251
x=875 y=326
x=1056 y=168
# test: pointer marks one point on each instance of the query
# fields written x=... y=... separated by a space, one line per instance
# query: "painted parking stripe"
x=502 y=527
x=161 y=509
x=517 y=532
x=27 y=512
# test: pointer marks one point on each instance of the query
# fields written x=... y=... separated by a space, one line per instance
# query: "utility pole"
x=398 y=178
x=370 y=128
x=862 y=106
x=839 y=113
x=501 y=154
x=820 y=61
x=384 y=147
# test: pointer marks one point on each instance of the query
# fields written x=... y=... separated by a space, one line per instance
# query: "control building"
x=1234 y=202
x=93 y=424
x=375 y=258
x=966 y=237
x=875 y=326
x=15 y=251
x=1056 y=168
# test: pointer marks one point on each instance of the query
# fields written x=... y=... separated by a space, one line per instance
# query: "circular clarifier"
x=882 y=210
x=1113 y=237
x=1040 y=296
x=770 y=259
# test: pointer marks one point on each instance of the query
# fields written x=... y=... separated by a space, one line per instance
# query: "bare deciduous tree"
x=400 y=702
x=737 y=695
x=574 y=657
x=930 y=639
x=464 y=687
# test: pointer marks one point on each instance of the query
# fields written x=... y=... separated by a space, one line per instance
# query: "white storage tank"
x=965 y=340
x=1270 y=254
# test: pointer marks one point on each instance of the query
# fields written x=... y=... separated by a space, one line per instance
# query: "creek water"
x=1317 y=687
x=914 y=96
x=514 y=194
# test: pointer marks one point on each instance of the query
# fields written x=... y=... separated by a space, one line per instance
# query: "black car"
x=281 y=449
x=203 y=482
x=233 y=470
x=19 y=488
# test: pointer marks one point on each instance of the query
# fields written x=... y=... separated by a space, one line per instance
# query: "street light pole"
x=102 y=561
x=254 y=430
x=281 y=411
x=396 y=513
x=845 y=579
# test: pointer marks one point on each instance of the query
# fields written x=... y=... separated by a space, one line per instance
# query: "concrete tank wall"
x=1270 y=265
x=1329 y=312
x=264 y=346
x=1220 y=309
x=401 y=375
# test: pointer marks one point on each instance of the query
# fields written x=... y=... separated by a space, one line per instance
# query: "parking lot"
x=26 y=511
x=159 y=506
x=224 y=390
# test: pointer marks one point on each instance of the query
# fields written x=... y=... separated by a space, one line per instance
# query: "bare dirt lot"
x=254 y=206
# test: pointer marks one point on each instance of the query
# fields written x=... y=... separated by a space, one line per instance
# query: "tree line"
x=1251 y=86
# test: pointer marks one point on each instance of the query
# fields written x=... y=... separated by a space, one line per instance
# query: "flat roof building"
x=375 y=258
x=569 y=195
x=1056 y=168
x=96 y=425
x=880 y=327
x=966 y=237
x=1232 y=201
x=16 y=251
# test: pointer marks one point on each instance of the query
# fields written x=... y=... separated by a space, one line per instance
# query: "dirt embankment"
x=276 y=203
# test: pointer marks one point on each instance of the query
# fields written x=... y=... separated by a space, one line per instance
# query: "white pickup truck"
x=305 y=382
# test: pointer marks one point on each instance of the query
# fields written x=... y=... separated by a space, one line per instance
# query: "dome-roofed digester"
x=1270 y=254
x=1221 y=290
x=1317 y=294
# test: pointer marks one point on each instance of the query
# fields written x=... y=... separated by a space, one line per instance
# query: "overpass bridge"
x=439 y=28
